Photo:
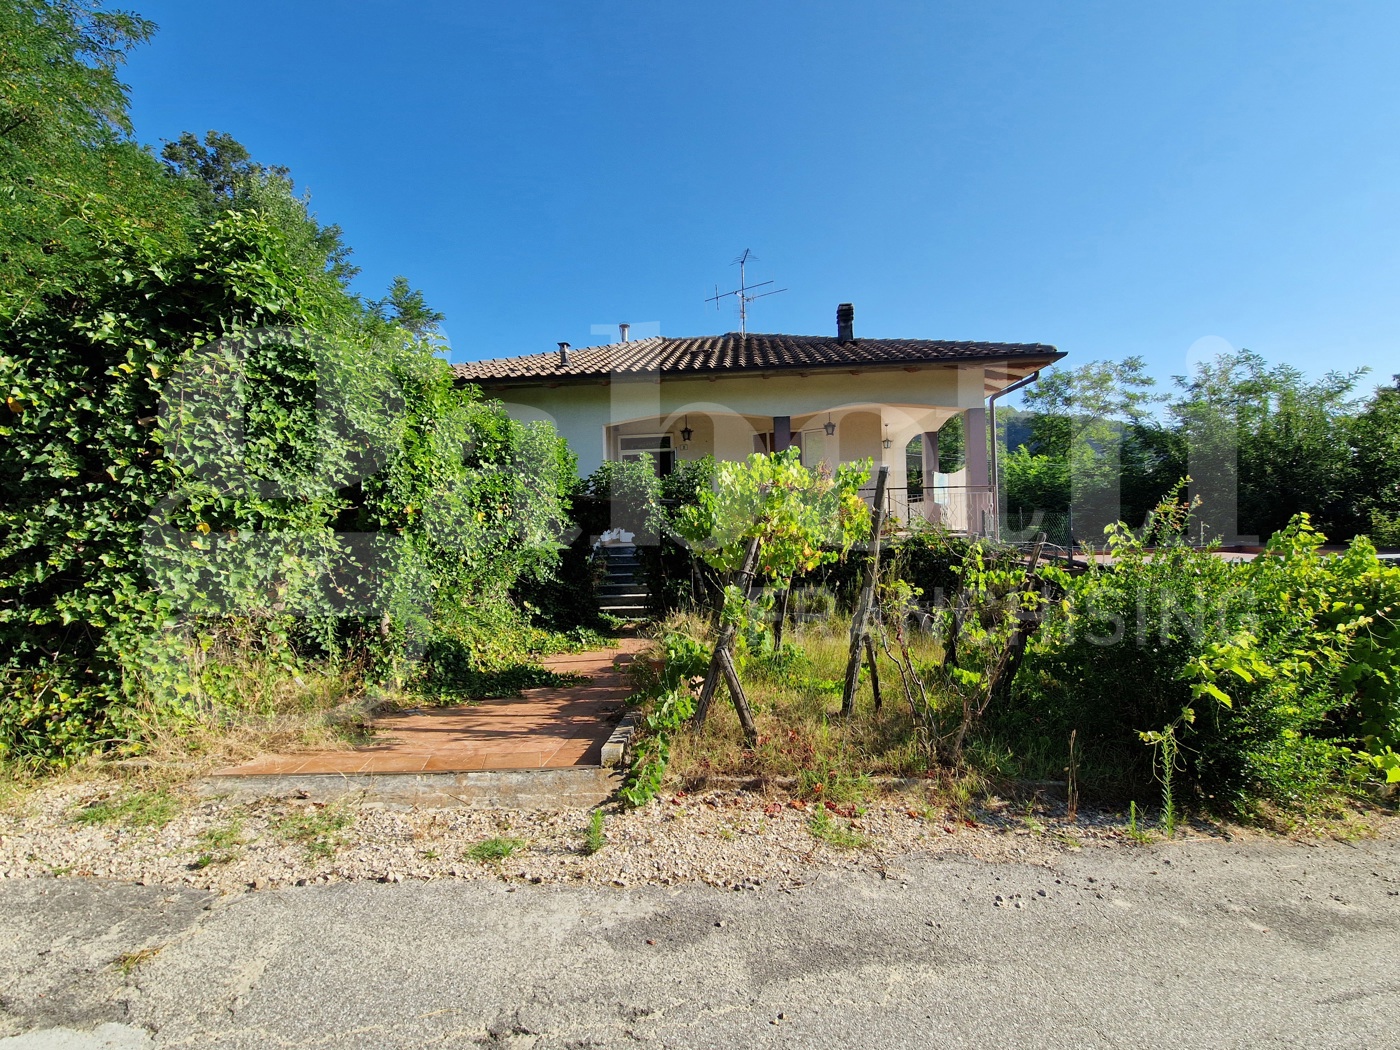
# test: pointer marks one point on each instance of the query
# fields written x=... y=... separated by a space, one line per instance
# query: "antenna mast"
x=744 y=292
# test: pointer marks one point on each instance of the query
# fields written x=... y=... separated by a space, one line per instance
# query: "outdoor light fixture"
x=887 y=441
x=686 y=433
x=829 y=426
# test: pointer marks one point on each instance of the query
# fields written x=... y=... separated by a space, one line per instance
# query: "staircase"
x=623 y=593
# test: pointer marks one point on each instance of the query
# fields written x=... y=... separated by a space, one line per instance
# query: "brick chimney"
x=846 y=323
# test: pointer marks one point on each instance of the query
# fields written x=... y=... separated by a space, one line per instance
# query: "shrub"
x=1254 y=675
x=217 y=431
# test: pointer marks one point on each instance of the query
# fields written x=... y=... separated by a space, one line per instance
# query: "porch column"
x=782 y=433
x=930 y=455
x=931 y=510
x=979 y=487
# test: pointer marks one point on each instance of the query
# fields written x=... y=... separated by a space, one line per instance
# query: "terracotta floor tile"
x=514 y=760
x=548 y=726
x=454 y=762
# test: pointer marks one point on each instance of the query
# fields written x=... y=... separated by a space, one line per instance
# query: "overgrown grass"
x=497 y=848
x=478 y=684
x=796 y=698
x=320 y=829
x=826 y=828
x=131 y=807
x=221 y=844
x=247 y=703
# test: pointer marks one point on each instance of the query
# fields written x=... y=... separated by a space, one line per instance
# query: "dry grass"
x=243 y=707
x=801 y=735
x=247 y=707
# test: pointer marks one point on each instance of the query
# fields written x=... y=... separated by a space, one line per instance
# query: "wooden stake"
x=741 y=702
x=781 y=618
x=860 y=620
x=724 y=643
x=874 y=671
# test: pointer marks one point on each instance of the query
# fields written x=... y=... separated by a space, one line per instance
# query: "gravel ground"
x=733 y=839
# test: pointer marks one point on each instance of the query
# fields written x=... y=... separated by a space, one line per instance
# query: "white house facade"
x=837 y=398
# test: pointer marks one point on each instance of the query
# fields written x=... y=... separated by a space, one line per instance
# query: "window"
x=814 y=448
x=632 y=447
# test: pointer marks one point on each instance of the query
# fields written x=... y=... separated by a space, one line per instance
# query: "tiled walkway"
x=542 y=729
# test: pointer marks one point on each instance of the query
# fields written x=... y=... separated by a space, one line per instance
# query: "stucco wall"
x=725 y=413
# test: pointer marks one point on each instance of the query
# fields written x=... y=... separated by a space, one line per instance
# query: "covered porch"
x=925 y=483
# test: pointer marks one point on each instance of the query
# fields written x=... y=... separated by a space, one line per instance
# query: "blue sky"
x=1113 y=178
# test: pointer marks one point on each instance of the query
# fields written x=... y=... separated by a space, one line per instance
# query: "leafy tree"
x=66 y=159
x=406 y=307
x=1091 y=431
x=1090 y=395
x=1291 y=437
x=801 y=518
x=951 y=445
x=1373 y=474
x=204 y=435
x=59 y=91
x=221 y=165
x=220 y=175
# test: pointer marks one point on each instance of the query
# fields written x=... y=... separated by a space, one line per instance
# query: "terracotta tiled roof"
x=711 y=354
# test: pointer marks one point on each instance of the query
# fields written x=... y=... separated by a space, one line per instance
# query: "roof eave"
x=1031 y=362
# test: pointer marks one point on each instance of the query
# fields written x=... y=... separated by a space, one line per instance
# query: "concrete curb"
x=616 y=748
x=582 y=786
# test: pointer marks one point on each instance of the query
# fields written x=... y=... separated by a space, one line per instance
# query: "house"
x=838 y=398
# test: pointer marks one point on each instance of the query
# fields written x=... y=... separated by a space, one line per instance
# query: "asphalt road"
x=1202 y=944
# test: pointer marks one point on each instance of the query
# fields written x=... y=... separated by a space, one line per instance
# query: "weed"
x=220 y=845
x=834 y=832
x=135 y=808
x=318 y=829
x=127 y=962
x=1170 y=817
x=825 y=780
x=429 y=854
x=497 y=848
x=1136 y=832
x=593 y=837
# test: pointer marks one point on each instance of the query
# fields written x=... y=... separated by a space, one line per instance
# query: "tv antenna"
x=744 y=292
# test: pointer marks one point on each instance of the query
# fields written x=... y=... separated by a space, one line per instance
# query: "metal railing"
x=958 y=508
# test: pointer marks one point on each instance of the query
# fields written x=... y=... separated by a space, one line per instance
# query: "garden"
x=246 y=509
x=1155 y=675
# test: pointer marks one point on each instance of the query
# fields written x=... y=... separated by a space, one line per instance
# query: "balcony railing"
x=958 y=508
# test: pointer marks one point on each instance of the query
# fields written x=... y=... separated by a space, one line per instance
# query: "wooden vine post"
x=860 y=621
x=722 y=661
